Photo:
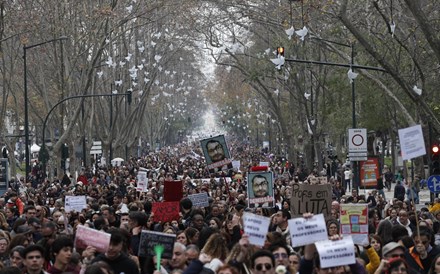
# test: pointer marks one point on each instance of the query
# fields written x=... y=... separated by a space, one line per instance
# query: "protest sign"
x=166 y=211
x=256 y=227
x=263 y=164
x=315 y=199
x=336 y=253
x=354 y=222
x=142 y=181
x=412 y=144
x=149 y=239
x=86 y=236
x=307 y=231
x=172 y=191
x=199 y=199
x=216 y=154
x=260 y=189
x=236 y=164
x=76 y=203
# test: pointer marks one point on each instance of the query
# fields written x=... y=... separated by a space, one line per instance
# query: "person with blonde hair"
x=216 y=249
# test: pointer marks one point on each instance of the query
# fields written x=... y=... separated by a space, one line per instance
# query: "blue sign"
x=434 y=183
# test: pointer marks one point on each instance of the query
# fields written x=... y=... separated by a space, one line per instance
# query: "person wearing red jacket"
x=15 y=201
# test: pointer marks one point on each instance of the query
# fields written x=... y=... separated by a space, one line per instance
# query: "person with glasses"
x=33 y=259
x=281 y=255
x=263 y=262
x=422 y=254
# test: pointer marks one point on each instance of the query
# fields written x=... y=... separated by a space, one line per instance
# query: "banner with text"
x=307 y=231
x=166 y=211
x=149 y=239
x=77 y=203
x=199 y=199
x=336 y=253
x=315 y=199
x=142 y=181
x=256 y=227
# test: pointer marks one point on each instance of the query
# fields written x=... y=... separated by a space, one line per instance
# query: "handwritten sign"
x=86 y=236
x=199 y=199
x=307 y=231
x=149 y=239
x=166 y=211
x=336 y=253
x=315 y=199
x=256 y=227
x=76 y=203
x=354 y=222
x=142 y=181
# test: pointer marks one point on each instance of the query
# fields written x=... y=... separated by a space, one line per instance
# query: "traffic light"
x=435 y=160
x=129 y=97
x=280 y=51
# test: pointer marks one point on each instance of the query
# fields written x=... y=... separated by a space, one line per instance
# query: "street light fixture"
x=26 y=99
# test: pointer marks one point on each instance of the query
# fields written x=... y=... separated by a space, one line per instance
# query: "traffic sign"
x=434 y=183
x=357 y=140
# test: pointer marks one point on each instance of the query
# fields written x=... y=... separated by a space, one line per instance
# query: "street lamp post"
x=26 y=100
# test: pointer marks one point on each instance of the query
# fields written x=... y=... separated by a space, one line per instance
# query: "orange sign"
x=369 y=172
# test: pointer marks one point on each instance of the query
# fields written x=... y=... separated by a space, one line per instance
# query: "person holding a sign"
x=114 y=257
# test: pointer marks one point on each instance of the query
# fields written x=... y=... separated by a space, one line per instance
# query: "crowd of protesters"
x=37 y=234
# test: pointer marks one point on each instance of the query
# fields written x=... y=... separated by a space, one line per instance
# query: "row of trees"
x=161 y=51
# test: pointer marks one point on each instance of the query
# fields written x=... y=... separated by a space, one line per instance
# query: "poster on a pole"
x=217 y=154
x=412 y=143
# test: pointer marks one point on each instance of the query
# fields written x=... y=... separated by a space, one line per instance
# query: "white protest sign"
x=336 y=253
x=307 y=231
x=411 y=142
x=76 y=203
x=256 y=227
x=199 y=199
x=236 y=164
x=264 y=164
x=142 y=181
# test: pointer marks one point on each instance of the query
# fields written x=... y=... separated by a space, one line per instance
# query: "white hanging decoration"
x=302 y=33
x=279 y=61
x=393 y=28
x=351 y=75
x=290 y=32
x=417 y=90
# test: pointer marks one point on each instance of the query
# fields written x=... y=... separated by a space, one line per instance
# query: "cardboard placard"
x=260 y=189
x=76 y=203
x=149 y=239
x=173 y=191
x=336 y=253
x=86 y=236
x=315 y=199
x=354 y=222
x=199 y=199
x=256 y=227
x=166 y=211
x=307 y=231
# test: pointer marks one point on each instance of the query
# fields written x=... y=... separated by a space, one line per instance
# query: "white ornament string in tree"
x=110 y=62
x=100 y=73
x=157 y=58
x=302 y=33
x=351 y=75
x=277 y=92
x=118 y=83
x=290 y=32
x=417 y=90
x=267 y=51
x=307 y=95
x=128 y=57
x=129 y=8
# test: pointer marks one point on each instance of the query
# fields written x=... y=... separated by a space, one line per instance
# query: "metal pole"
x=26 y=116
x=26 y=101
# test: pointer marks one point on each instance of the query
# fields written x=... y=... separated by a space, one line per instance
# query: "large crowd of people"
x=37 y=234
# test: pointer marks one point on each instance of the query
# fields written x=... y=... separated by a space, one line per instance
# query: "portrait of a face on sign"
x=216 y=153
x=260 y=189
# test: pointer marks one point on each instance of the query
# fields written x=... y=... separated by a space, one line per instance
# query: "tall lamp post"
x=26 y=100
